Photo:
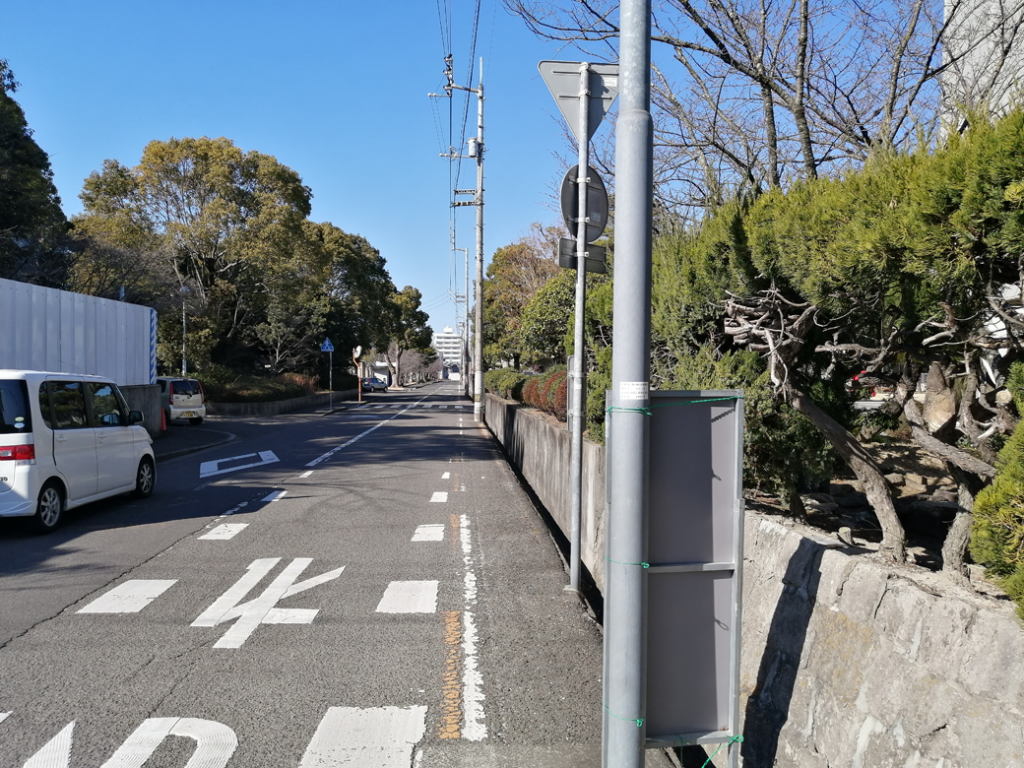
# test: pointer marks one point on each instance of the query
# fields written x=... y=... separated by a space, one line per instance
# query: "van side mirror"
x=136 y=417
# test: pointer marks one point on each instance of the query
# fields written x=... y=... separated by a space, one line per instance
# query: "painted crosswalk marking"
x=409 y=597
x=130 y=597
x=224 y=532
x=263 y=609
x=439 y=496
x=383 y=737
x=431 y=532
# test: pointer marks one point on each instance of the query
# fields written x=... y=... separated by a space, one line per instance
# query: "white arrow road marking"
x=262 y=610
x=431 y=532
x=210 y=468
x=130 y=597
x=439 y=496
x=366 y=738
x=409 y=597
x=215 y=742
x=224 y=532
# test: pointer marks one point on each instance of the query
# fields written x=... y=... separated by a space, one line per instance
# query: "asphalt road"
x=369 y=587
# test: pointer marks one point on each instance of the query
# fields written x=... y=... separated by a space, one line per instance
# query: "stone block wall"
x=846 y=661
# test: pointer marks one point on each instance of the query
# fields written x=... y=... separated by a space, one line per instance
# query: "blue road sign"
x=327 y=346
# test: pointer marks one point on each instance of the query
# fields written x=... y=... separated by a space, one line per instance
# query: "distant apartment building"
x=983 y=57
x=450 y=348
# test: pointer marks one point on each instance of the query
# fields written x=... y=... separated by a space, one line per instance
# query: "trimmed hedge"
x=546 y=392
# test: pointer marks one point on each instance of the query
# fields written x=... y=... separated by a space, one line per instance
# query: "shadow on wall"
x=768 y=704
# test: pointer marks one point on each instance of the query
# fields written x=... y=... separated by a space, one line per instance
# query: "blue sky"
x=335 y=90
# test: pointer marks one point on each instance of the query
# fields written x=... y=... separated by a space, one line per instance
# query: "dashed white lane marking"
x=275 y=495
x=4 y=716
x=431 y=532
x=378 y=425
x=429 y=405
x=409 y=597
x=224 y=532
x=307 y=473
x=473 y=726
x=383 y=737
x=130 y=597
x=440 y=496
x=446 y=475
x=442 y=407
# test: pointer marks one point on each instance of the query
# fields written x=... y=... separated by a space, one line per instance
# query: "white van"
x=65 y=440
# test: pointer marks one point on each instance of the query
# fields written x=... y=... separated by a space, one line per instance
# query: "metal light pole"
x=184 y=364
x=624 y=732
x=465 y=328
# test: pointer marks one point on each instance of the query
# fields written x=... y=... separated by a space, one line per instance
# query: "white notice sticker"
x=633 y=390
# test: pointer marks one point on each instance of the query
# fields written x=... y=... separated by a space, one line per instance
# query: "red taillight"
x=170 y=392
x=17 y=453
x=201 y=390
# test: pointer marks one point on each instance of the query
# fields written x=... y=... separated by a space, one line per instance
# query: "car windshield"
x=14 y=413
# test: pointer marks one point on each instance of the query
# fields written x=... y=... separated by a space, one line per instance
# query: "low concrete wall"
x=145 y=398
x=846 y=662
x=541 y=451
x=278 y=406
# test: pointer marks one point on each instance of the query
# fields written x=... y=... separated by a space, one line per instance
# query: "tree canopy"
x=31 y=220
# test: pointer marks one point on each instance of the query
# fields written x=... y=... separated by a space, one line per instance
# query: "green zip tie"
x=732 y=740
x=638 y=720
x=619 y=562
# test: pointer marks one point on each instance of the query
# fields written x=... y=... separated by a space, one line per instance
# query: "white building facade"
x=450 y=348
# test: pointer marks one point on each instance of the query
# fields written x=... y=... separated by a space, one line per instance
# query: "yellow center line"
x=451 y=704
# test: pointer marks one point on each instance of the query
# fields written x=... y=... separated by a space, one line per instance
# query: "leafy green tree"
x=404 y=328
x=32 y=223
x=515 y=274
x=547 y=318
x=228 y=220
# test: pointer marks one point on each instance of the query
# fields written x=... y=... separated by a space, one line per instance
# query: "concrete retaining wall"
x=145 y=398
x=278 y=406
x=846 y=662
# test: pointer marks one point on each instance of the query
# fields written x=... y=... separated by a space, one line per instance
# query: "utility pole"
x=465 y=329
x=625 y=695
x=476 y=151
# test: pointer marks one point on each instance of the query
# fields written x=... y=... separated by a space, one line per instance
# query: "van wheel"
x=48 y=508
x=196 y=421
x=145 y=479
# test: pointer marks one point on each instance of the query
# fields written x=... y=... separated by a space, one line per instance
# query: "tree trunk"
x=894 y=538
x=954 y=548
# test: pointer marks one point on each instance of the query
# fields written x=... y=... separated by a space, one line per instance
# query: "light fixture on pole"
x=184 y=364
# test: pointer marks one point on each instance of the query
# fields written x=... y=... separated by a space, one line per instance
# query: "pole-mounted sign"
x=329 y=349
x=563 y=80
x=584 y=93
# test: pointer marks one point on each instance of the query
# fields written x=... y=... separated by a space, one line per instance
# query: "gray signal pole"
x=624 y=731
x=579 y=353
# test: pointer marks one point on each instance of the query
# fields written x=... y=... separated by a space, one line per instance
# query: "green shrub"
x=997 y=539
x=504 y=382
